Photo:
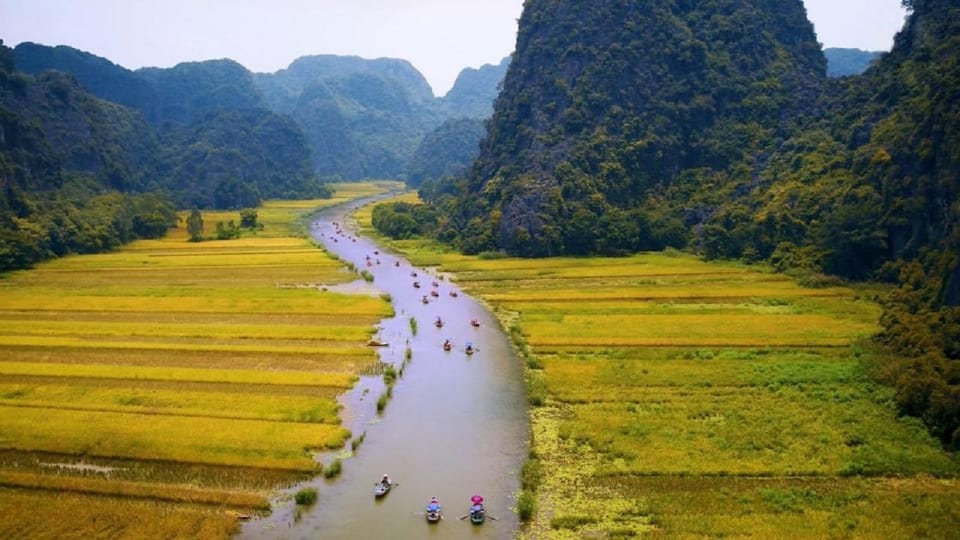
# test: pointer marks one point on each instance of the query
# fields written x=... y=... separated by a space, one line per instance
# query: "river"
x=456 y=425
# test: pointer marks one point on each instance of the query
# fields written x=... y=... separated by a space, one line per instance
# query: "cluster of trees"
x=713 y=126
x=402 y=220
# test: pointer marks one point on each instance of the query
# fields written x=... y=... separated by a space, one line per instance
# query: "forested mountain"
x=100 y=76
x=82 y=174
x=605 y=105
x=843 y=62
x=447 y=151
x=628 y=125
x=179 y=95
x=366 y=118
x=190 y=91
x=474 y=91
x=362 y=118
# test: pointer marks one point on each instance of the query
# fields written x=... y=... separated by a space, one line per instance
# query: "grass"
x=682 y=398
x=199 y=376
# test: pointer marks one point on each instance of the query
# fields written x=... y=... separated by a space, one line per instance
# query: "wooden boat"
x=477 y=514
x=416 y=284
x=434 y=294
x=438 y=323
x=475 y=323
x=447 y=346
x=380 y=489
x=377 y=343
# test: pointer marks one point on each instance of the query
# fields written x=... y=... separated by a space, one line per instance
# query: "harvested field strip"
x=573 y=345
x=265 y=347
x=352 y=361
x=286 y=378
x=294 y=302
x=44 y=515
x=345 y=332
x=318 y=392
x=652 y=294
x=242 y=443
x=318 y=320
x=80 y=395
x=135 y=490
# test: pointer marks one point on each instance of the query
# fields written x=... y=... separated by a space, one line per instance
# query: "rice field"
x=176 y=381
x=685 y=399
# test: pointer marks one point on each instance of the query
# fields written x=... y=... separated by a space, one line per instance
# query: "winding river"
x=456 y=424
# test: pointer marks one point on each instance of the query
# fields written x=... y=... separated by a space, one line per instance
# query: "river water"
x=456 y=424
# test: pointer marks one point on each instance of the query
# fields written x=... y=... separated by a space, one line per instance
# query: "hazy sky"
x=440 y=37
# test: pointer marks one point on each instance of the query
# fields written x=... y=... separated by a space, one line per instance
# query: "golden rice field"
x=684 y=399
x=161 y=389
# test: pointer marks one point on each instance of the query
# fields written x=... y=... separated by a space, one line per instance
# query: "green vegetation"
x=306 y=496
x=175 y=379
x=446 y=152
x=334 y=469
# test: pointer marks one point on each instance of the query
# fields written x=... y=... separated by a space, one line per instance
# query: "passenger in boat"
x=385 y=481
x=433 y=505
x=476 y=499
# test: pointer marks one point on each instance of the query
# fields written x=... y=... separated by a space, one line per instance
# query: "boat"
x=454 y=294
x=416 y=284
x=477 y=514
x=438 y=323
x=425 y=300
x=377 y=343
x=475 y=323
x=381 y=488
x=433 y=511
x=447 y=346
x=469 y=348
x=434 y=294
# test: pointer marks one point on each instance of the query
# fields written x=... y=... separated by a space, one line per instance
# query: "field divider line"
x=654 y=298
x=81 y=408
x=111 y=372
x=134 y=490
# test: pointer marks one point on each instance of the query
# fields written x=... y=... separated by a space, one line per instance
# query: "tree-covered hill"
x=844 y=62
x=474 y=91
x=189 y=91
x=608 y=102
x=446 y=152
x=100 y=76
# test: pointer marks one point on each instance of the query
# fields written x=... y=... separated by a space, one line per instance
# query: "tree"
x=248 y=219
x=195 y=226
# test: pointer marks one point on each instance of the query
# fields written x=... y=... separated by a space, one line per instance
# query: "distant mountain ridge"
x=844 y=62
x=362 y=118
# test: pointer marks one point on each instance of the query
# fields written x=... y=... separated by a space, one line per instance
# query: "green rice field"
x=178 y=381
x=678 y=398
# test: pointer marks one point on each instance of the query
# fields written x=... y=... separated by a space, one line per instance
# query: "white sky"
x=439 y=37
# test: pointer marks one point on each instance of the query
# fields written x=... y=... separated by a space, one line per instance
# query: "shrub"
x=306 y=496
x=334 y=469
x=525 y=505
